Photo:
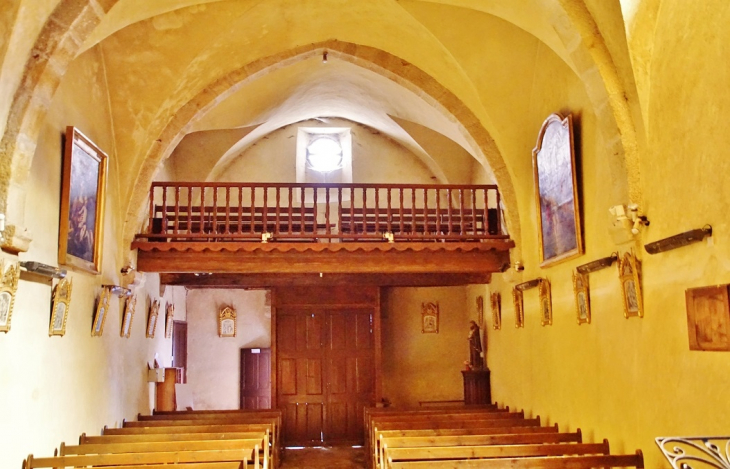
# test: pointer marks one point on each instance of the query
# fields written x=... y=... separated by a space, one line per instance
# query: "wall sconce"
x=528 y=285
x=43 y=269
x=677 y=241
x=629 y=217
x=119 y=291
x=324 y=57
x=597 y=264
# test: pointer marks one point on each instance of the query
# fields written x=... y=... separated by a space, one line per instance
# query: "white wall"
x=214 y=362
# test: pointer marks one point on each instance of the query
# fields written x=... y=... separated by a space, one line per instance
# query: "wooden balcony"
x=260 y=228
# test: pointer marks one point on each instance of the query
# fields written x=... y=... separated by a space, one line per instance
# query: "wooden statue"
x=476 y=358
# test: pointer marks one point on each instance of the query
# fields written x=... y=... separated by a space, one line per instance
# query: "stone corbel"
x=16 y=239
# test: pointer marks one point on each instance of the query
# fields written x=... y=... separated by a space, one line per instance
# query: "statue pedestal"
x=477 y=390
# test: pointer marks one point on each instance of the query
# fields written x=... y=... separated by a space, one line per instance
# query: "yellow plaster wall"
x=423 y=367
x=631 y=380
x=375 y=158
x=54 y=388
x=214 y=362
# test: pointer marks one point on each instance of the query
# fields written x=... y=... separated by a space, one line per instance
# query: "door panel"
x=255 y=379
x=325 y=364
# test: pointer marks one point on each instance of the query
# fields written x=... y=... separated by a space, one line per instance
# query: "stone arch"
x=376 y=60
x=597 y=70
x=56 y=47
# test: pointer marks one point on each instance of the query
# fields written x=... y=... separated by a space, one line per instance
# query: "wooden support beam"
x=335 y=258
x=246 y=280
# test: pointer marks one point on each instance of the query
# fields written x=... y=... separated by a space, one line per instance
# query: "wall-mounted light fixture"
x=629 y=217
x=598 y=264
x=528 y=285
x=118 y=290
x=677 y=241
x=43 y=269
x=324 y=57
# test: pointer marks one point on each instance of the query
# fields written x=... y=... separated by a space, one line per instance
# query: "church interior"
x=179 y=95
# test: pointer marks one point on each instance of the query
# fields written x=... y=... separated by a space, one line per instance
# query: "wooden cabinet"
x=477 y=390
x=165 y=390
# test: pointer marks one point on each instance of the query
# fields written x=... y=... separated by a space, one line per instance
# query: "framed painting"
x=59 y=307
x=8 y=287
x=629 y=269
x=129 y=308
x=708 y=318
x=429 y=318
x=102 y=311
x=518 y=300
x=496 y=305
x=169 y=319
x=227 y=322
x=558 y=208
x=582 y=297
x=546 y=302
x=82 y=203
x=152 y=319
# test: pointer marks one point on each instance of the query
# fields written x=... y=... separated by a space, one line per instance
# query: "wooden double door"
x=326 y=370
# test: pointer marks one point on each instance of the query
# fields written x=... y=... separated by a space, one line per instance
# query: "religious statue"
x=476 y=357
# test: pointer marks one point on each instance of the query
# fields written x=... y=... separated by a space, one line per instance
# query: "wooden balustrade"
x=191 y=211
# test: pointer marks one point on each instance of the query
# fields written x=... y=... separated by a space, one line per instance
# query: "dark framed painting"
x=558 y=213
x=82 y=203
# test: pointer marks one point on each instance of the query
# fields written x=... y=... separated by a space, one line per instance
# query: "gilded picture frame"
x=518 y=300
x=581 y=291
x=152 y=319
x=102 y=311
x=556 y=190
x=227 y=322
x=430 y=318
x=629 y=269
x=480 y=311
x=544 y=293
x=59 y=307
x=82 y=203
x=495 y=300
x=169 y=319
x=129 y=307
x=8 y=288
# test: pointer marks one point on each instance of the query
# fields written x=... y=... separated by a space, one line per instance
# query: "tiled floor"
x=330 y=457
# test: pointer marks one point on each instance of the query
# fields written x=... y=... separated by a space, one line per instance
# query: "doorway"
x=180 y=348
x=255 y=389
x=326 y=367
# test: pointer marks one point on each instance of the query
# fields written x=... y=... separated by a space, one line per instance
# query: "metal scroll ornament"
x=696 y=452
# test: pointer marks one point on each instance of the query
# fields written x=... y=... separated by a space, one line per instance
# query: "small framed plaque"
x=227 y=322
x=429 y=318
x=496 y=305
x=60 y=307
x=102 y=311
x=8 y=288
x=152 y=319
x=128 y=316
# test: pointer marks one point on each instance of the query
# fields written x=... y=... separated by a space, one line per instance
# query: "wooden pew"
x=448 y=424
x=205 y=465
x=444 y=454
x=432 y=440
x=258 y=444
x=152 y=437
x=241 y=457
x=372 y=413
x=547 y=462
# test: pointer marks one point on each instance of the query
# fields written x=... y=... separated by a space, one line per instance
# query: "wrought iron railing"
x=696 y=452
x=192 y=211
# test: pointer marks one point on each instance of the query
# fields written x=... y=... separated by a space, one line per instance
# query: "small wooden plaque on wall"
x=708 y=318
